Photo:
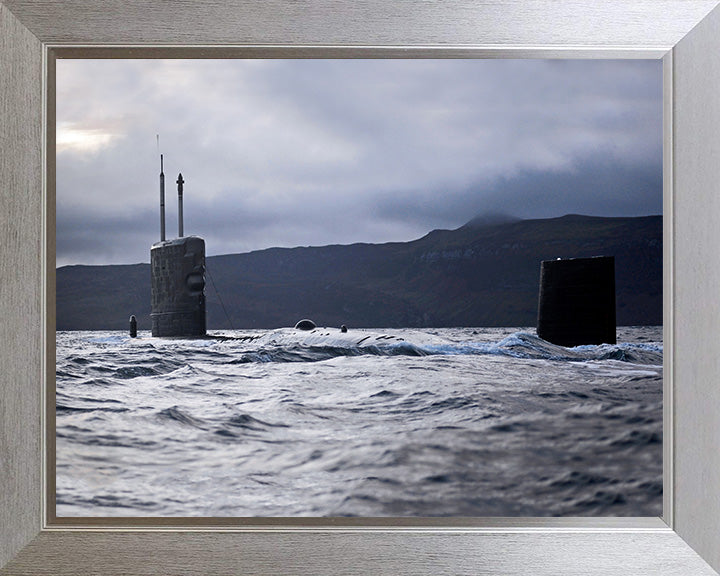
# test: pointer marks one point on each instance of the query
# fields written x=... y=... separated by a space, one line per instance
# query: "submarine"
x=576 y=298
x=178 y=305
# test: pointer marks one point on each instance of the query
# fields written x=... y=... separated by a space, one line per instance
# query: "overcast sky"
x=316 y=152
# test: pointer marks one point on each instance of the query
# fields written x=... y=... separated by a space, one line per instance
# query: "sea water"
x=442 y=422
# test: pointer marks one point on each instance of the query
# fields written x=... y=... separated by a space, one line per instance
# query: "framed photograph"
x=339 y=191
x=683 y=35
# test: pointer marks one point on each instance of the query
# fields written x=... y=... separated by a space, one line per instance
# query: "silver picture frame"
x=684 y=33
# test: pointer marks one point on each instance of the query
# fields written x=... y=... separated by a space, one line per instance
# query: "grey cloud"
x=316 y=152
x=229 y=227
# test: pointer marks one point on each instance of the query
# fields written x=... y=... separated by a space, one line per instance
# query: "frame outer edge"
x=19 y=519
x=696 y=114
x=371 y=22
x=21 y=327
x=396 y=554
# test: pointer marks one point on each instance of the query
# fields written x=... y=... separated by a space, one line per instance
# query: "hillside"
x=485 y=273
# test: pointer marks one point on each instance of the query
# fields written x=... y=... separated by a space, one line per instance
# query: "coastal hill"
x=485 y=273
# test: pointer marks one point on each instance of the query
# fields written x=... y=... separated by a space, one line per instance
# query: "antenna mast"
x=180 y=183
x=162 y=201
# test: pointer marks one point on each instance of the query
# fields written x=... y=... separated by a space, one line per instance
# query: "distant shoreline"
x=476 y=275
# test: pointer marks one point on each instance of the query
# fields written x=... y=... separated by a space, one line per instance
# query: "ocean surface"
x=435 y=422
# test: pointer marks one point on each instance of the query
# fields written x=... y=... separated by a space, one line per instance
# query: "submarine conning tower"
x=177 y=269
x=576 y=303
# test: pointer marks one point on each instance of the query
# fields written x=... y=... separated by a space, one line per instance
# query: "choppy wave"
x=289 y=345
x=529 y=346
x=449 y=422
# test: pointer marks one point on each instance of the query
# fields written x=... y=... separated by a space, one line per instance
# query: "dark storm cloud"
x=107 y=238
x=316 y=152
x=595 y=188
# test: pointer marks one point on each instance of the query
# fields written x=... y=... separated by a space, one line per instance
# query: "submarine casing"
x=177 y=270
